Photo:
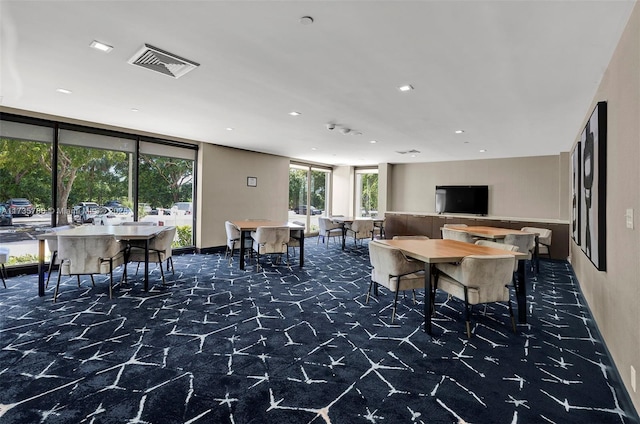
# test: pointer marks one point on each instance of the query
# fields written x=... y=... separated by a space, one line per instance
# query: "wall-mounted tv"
x=462 y=199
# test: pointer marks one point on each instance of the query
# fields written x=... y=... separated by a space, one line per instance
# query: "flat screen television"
x=472 y=200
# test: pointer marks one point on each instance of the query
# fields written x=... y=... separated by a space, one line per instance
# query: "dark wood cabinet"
x=402 y=224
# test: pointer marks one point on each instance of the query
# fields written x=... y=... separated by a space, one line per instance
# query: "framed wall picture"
x=252 y=181
x=593 y=152
x=576 y=191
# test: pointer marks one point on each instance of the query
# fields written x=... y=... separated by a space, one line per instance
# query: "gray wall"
x=614 y=295
x=530 y=187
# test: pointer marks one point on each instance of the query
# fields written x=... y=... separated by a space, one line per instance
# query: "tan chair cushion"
x=390 y=263
x=89 y=255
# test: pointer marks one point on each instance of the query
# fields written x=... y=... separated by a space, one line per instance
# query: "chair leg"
x=467 y=313
x=395 y=303
x=513 y=320
x=53 y=260
x=3 y=271
x=161 y=271
x=173 y=270
x=93 y=282
x=55 y=293
x=78 y=277
x=369 y=291
x=110 y=277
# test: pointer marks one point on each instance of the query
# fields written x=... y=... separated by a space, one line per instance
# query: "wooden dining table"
x=499 y=233
x=434 y=251
x=246 y=226
x=344 y=221
x=121 y=232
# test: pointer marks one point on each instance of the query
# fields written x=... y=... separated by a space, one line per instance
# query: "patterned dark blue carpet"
x=219 y=345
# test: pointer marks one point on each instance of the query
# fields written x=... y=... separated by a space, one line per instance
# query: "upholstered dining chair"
x=410 y=238
x=328 y=229
x=544 y=239
x=502 y=246
x=525 y=242
x=52 y=245
x=233 y=240
x=143 y=223
x=477 y=279
x=99 y=254
x=455 y=225
x=160 y=250
x=453 y=234
x=271 y=241
x=393 y=270
x=295 y=238
x=360 y=229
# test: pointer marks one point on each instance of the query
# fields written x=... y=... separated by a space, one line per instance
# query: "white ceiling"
x=517 y=76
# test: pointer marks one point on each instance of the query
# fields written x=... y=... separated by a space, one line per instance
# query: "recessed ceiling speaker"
x=345 y=130
x=331 y=126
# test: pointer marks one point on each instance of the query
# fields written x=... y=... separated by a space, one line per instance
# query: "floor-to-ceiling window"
x=309 y=189
x=366 y=192
x=94 y=177
x=25 y=187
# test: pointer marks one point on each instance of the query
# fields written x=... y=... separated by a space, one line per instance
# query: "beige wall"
x=223 y=193
x=342 y=191
x=518 y=187
x=614 y=295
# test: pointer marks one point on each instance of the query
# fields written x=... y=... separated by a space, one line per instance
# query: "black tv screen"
x=462 y=199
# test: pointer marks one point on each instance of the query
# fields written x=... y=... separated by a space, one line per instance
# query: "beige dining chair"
x=143 y=223
x=544 y=239
x=328 y=229
x=233 y=240
x=360 y=229
x=295 y=239
x=455 y=225
x=393 y=270
x=160 y=250
x=453 y=234
x=410 y=238
x=270 y=241
x=52 y=245
x=477 y=279
x=98 y=254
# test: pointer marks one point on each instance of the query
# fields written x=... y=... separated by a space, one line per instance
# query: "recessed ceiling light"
x=63 y=91
x=314 y=148
x=133 y=109
x=373 y=141
x=101 y=46
x=294 y=113
x=413 y=156
x=483 y=150
x=229 y=129
x=459 y=131
x=406 y=87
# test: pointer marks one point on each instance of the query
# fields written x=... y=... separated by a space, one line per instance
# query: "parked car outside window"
x=19 y=206
x=88 y=211
x=113 y=216
x=302 y=210
x=5 y=216
x=183 y=208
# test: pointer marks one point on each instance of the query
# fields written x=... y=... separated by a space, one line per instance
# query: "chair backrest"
x=163 y=241
x=145 y=223
x=525 y=242
x=410 y=238
x=83 y=255
x=544 y=234
x=489 y=274
x=503 y=246
x=326 y=224
x=272 y=239
x=455 y=225
x=389 y=262
x=52 y=244
x=233 y=234
x=452 y=234
x=362 y=228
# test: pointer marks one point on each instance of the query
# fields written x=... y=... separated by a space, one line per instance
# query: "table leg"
x=242 y=238
x=146 y=265
x=302 y=248
x=521 y=291
x=40 y=267
x=427 y=297
x=344 y=235
x=536 y=255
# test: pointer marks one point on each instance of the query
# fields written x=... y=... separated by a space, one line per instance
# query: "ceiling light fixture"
x=63 y=91
x=459 y=131
x=101 y=46
x=229 y=129
x=314 y=148
x=294 y=113
x=373 y=141
x=483 y=150
x=133 y=109
x=406 y=87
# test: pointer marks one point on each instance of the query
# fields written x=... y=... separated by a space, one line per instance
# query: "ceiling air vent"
x=158 y=60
